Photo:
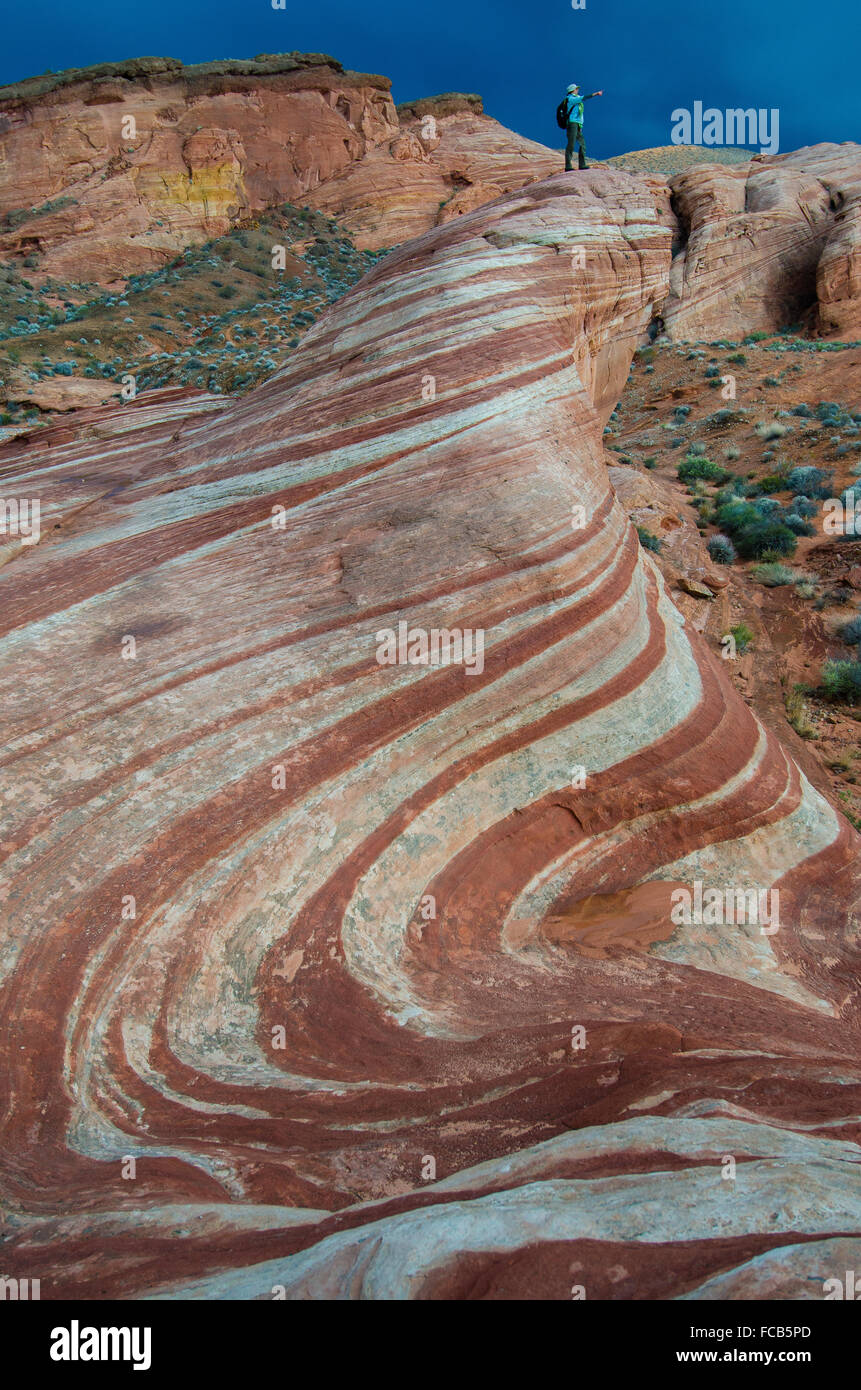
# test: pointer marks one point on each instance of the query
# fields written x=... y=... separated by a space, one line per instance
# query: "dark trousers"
x=575 y=142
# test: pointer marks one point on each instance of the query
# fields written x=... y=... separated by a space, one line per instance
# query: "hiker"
x=569 y=116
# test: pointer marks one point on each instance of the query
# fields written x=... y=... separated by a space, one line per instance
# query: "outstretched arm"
x=593 y=94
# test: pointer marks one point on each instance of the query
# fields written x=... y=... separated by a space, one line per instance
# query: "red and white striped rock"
x=282 y=924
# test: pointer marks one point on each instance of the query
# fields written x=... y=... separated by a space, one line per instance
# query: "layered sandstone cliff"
x=449 y=159
x=369 y=967
x=144 y=162
x=109 y=171
x=768 y=244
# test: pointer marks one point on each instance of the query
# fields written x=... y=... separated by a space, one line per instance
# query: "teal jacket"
x=574 y=108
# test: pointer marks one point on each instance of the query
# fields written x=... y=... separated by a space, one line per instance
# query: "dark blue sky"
x=649 y=55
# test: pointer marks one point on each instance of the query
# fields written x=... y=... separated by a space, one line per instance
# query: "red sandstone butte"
x=262 y=894
x=213 y=144
x=210 y=144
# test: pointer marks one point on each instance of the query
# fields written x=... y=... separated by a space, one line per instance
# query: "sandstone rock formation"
x=759 y=244
x=68 y=393
x=451 y=159
x=214 y=143
x=766 y=244
x=297 y=930
x=209 y=145
x=838 y=274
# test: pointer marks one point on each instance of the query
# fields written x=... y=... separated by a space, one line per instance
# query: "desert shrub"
x=771 y=429
x=851 y=632
x=732 y=453
x=733 y=492
x=650 y=462
x=738 y=359
x=803 y=506
x=841 y=594
x=732 y=508
x=712 y=372
x=773 y=575
x=14 y=219
x=841 y=680
x=698 y=467
x=743 y=636
x=752 y=533
x=775 y=481
x=803 y=410
x=797 y=524
x=796 y=712
x=772 y=482
x=809 y=481
x=831 y=413
x=768 y=506
x=648 y=540
x=721 y=550
x=722 y=419
x=842 y=763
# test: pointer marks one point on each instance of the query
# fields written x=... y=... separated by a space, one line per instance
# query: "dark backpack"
x=562 y=114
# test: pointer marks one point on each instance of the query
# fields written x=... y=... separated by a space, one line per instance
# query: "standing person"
x=571 y=109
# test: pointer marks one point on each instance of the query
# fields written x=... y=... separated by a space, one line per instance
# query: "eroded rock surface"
x=207 y=146
x=99 y=199
x=767 y=244
x=281 y=922
x=451 y=159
